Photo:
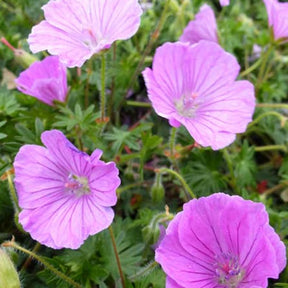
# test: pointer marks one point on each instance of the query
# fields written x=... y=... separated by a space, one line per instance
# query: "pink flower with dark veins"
x=221 y=241
x=76 y=29
x=203 y=27
x=194 y=86
x=65 y=194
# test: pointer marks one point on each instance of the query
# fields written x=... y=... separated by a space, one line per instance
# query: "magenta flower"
x=45 y=80
x=204 y=27
x=278 y=19
x=65 y=194
x=221 y=241
x=195 y=86
x=76 y=29
x=224 y=2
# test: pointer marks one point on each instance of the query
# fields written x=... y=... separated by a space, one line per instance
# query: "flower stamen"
x=77 y=185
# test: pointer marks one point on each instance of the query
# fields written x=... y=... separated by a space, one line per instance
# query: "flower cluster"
x=65 y=195
x=221 y=241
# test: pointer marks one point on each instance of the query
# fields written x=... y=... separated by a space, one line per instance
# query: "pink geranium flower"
x=278 y=19
x=45 y=80
x=65 y=194
x=76 y=29
x=203 y=27
x=221 y=241
x=195 y=86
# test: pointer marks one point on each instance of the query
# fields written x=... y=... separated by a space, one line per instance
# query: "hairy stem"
x=13 y=194
x=272 y=105
x=179 y=177
x=103 y=96
x=152 y=40
x=270 y=147
x=42 y=261
x=117 y=256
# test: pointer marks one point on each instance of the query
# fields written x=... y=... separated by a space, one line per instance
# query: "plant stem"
x=144 y=271
x=103 y=96
x=13 y=194
x=117 y=256
x=152 y=39
x=251 y=68
x=270 y=147
x=172 y=140
x=275 y=188
x=28 y=260
x=269 y=113
x=111 y=96
x=272 y=105
x=228 y=160
x=264 y=58
x=42 y=261
x=180 y=178
x=139 y=104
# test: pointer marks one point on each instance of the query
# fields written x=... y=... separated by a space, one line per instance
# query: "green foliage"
x=245 y=166
x=137 y=140
x=9 y=106
x=204 y=172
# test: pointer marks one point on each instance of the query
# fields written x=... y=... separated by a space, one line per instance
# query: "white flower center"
x=77 y=185
x=187 y=105
x=228 y=271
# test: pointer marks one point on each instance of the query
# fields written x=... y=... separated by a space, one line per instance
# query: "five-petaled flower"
x=278 y=19
x=195 y=86
x=221 y=241
x=76 y=29
x=203 y=27
x=45 y=80
x=65 y=194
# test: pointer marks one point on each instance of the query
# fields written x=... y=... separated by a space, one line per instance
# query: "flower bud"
x=24 y=58
x=157 y=190
x=8 y=274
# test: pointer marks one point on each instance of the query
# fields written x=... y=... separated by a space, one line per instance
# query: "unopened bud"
x=8 y=274
x=157 y=189
x=22 y=57
x=157 y=192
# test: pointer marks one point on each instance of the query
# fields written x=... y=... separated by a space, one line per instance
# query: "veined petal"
x=65 y=195
x=76 y=29
x=221 y=241
x=46 y=80
x=67 y=155
x=195 y=86
x=204 y=27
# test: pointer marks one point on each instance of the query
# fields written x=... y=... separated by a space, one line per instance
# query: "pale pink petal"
x=203 y=27
x=46 y=80
x=67 y=155
x=195 y=86
x=65 y=194
x=75 y=30
x=224 y=2
x=278 y=19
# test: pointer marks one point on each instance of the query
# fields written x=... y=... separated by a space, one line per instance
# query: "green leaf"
x=245 y=166
x=204 y=172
